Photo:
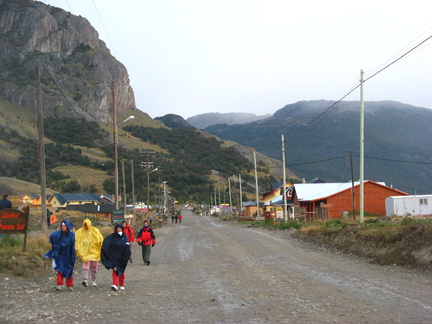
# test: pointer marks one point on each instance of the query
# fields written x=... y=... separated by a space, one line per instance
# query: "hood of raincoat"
x=88 y=242
x=63 y=250
x=116 y=251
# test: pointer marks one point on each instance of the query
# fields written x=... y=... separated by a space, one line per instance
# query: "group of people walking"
x=89 y=245
x=177 y=217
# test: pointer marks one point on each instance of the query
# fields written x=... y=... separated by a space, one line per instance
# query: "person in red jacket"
x=128 y=230
x=146 y=238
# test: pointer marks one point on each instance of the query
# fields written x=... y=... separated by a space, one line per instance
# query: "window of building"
x=423 y=201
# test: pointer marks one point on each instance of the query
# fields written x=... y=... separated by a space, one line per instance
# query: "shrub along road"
x=205 y=270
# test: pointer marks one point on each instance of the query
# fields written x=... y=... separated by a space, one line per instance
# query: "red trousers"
x=118 y=280
x=69 y=282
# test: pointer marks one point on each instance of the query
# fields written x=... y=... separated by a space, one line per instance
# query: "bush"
x=10 y=241
x=334 y=223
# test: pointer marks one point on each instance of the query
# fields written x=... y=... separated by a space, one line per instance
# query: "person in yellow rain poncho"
x=88 y=245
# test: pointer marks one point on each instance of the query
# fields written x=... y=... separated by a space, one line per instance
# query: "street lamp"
x=116 y=179
x=148 y=190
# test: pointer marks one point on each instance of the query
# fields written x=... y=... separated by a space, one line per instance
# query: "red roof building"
x=330 y=200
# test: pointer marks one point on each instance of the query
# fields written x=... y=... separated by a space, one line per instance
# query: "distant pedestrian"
x=115 y=256
x=172 y=218
x=5 y=202
x=63 y=254
x=88 y=245
x=176 y=218
x=160 y=222
x=146 y=238
x=180 y=217
x=151 y=219
x=128 y=230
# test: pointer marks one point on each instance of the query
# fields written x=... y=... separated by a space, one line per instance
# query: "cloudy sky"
x=195 y=56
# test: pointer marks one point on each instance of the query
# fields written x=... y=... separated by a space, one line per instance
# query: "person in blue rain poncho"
x=63 y=254
x=115 y=256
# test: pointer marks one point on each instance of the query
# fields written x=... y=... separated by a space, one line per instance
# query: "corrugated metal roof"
x=315 y=191
x=65 y=197
x=411 y=197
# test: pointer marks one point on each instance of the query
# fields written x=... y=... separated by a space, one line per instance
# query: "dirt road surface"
x=205 y=270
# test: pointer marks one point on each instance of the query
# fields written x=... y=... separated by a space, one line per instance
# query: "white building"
x=409 y=205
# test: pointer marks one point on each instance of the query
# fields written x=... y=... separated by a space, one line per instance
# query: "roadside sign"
x=117 y=216
x=14 y=221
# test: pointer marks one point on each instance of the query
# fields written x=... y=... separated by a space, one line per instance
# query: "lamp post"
x=148 y=190
x=116 y=177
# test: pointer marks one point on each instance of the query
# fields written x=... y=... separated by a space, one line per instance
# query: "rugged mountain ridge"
x=397 y=141
x=72 y=56
x=202 y=121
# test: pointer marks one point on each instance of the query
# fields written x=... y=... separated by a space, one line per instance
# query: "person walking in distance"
x=5 y=202
x=128 y=230
x=88 y=245
x=115 y=256
x=146 y=238
x=63 y=254
x=180 y=217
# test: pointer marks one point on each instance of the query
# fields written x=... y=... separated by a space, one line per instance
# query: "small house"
x=331 y=200
x=408 y=205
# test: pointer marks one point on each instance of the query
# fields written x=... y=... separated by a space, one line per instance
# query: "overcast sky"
x=189 y=57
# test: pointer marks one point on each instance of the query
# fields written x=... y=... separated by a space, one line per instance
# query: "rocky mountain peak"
x=74 y=61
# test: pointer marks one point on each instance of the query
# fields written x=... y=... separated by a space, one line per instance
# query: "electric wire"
x=370 y=77
x=103 y=26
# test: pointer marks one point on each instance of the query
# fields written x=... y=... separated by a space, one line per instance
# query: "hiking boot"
x=114 y=287
x=122 y=288
x=94 y=284
x=59 y=288
x=85 y=283
x=70 y=288
x=148 y=262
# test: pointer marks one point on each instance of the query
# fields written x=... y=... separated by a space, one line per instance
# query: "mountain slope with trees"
x=397 y=141
x=79 y=78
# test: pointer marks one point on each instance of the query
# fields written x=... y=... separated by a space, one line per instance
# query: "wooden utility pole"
x=256 y=186
x=230 y=200
x=148 y=166
x=41 y=146
x=133 y=192
x=124 y=186
x=241 y=194
x=352 y=188
x=116 y=185
x=285 y=211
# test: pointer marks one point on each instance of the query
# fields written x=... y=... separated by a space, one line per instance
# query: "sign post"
x=117 y=216
x=14 y=221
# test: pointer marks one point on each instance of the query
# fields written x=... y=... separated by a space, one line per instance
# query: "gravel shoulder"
x=205 y=270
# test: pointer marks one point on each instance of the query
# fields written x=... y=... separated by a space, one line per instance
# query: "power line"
x=399 y=58
x=103 y=25
x=379 y=71
x=318 y=161
x=394 y=160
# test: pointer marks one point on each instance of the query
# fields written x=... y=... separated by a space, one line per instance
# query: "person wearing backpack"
x=146 y=238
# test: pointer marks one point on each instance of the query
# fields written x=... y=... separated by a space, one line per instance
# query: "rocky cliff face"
x=77 y=68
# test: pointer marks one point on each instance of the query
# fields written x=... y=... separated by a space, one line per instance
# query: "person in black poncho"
x=115 y=256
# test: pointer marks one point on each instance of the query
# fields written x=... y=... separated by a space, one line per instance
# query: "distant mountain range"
x=398 y=137
x=205 y=120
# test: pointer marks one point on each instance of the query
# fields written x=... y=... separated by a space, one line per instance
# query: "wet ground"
x=205 y=270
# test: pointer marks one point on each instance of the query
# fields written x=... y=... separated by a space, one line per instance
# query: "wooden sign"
x=326 y=205
x=13 y=221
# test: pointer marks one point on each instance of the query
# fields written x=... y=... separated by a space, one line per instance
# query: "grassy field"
x=86 y=177
x=21 y=187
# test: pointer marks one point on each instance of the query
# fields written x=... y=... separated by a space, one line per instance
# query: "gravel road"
x=205 y=270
